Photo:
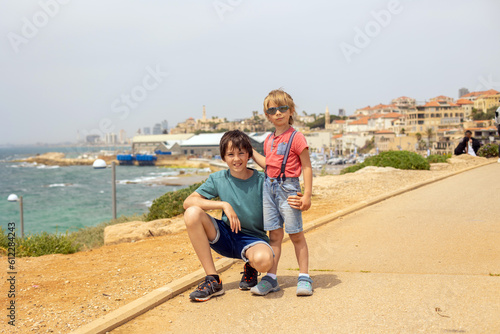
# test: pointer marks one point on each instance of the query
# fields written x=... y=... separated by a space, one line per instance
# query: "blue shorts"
x=277 y=211
x=233 y=245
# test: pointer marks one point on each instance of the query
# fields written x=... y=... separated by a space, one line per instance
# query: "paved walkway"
x=427 y=261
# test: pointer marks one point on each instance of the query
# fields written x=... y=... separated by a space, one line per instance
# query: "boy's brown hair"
x=280 y=98
x=239 y=140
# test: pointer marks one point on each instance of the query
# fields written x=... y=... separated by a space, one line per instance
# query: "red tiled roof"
x=337 y=136
x=442 y=97
x=484 y=92
x=383 y=106
x=379 y=106
x=490 y=128
x=338 y=121
x=392 y=115
x=388 y=115
x=432 y=104
x=361 y=121
x=464 y=101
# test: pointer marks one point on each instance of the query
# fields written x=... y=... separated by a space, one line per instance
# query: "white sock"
x=273 y=276
x=304 y=275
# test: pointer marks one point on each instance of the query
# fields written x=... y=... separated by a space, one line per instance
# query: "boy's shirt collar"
x=290 y=129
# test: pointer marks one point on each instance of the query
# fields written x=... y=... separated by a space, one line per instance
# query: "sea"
x=60 y=199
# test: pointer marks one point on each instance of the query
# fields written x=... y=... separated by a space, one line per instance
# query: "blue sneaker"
x=304 y=286
x=266 y=285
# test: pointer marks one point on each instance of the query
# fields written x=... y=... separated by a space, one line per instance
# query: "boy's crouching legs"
x=260 y=257
x=201 y=230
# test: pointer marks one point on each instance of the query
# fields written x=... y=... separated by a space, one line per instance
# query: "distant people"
x=497 y=119
x=468 y=145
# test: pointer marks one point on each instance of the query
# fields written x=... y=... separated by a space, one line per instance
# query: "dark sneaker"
x=207 y=289
x=304 y=286
x=249 y=278
x=266 y=285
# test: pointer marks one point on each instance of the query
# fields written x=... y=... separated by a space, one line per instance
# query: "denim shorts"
x=230 y=244
x=277 y=211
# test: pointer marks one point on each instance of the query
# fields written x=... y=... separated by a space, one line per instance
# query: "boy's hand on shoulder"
x=299 y=202
x=234 y=221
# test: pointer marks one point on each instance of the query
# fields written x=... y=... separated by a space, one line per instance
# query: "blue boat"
x=146 y=159
x=125 y=159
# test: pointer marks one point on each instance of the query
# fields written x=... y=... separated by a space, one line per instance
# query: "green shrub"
x=488 y=151
x=396 y=159
x=41 y=244
x=170 y=204
x=353 y=168
x=435 y=158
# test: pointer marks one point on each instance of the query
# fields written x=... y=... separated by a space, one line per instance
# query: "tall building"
x=110 y=138
x=157 y=129
x=204 y=116
x=327 y=116
x=123 y=137
x=93 y=139
x=462 y=92
x=341 y=112
x=147 y=130
x=164 y=127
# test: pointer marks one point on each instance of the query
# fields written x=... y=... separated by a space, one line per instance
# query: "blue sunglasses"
x=272 y=111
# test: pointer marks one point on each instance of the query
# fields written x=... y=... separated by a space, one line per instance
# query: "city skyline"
x=150 y=62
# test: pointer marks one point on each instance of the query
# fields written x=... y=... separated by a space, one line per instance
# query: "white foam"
x=54 y=185
x=47 y=167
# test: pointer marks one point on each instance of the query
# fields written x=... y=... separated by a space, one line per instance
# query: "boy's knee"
x=262 y=261
x=297 y=237
x=192 y=215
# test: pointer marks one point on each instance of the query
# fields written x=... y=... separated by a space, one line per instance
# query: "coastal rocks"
x=57 y=159
x=138 y=230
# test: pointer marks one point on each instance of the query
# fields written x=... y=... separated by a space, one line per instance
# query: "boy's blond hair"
x=280 y=98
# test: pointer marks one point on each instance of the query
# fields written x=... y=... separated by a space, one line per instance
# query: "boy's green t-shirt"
x=245 y=196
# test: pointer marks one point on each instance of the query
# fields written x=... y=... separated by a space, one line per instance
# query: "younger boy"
x=240 y=234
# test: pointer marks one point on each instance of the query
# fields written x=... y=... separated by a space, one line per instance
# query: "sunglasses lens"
x=272 y=111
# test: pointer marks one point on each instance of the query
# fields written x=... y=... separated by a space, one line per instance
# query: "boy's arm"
x=259 y=159
x=195 y=199
x=303 y=202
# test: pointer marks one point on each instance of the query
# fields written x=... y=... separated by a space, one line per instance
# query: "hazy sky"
x=99 y=66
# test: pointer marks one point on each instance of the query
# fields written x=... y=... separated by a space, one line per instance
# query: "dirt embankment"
x=58 y=293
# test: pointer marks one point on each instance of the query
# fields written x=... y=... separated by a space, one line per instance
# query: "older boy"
x=240 y=234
